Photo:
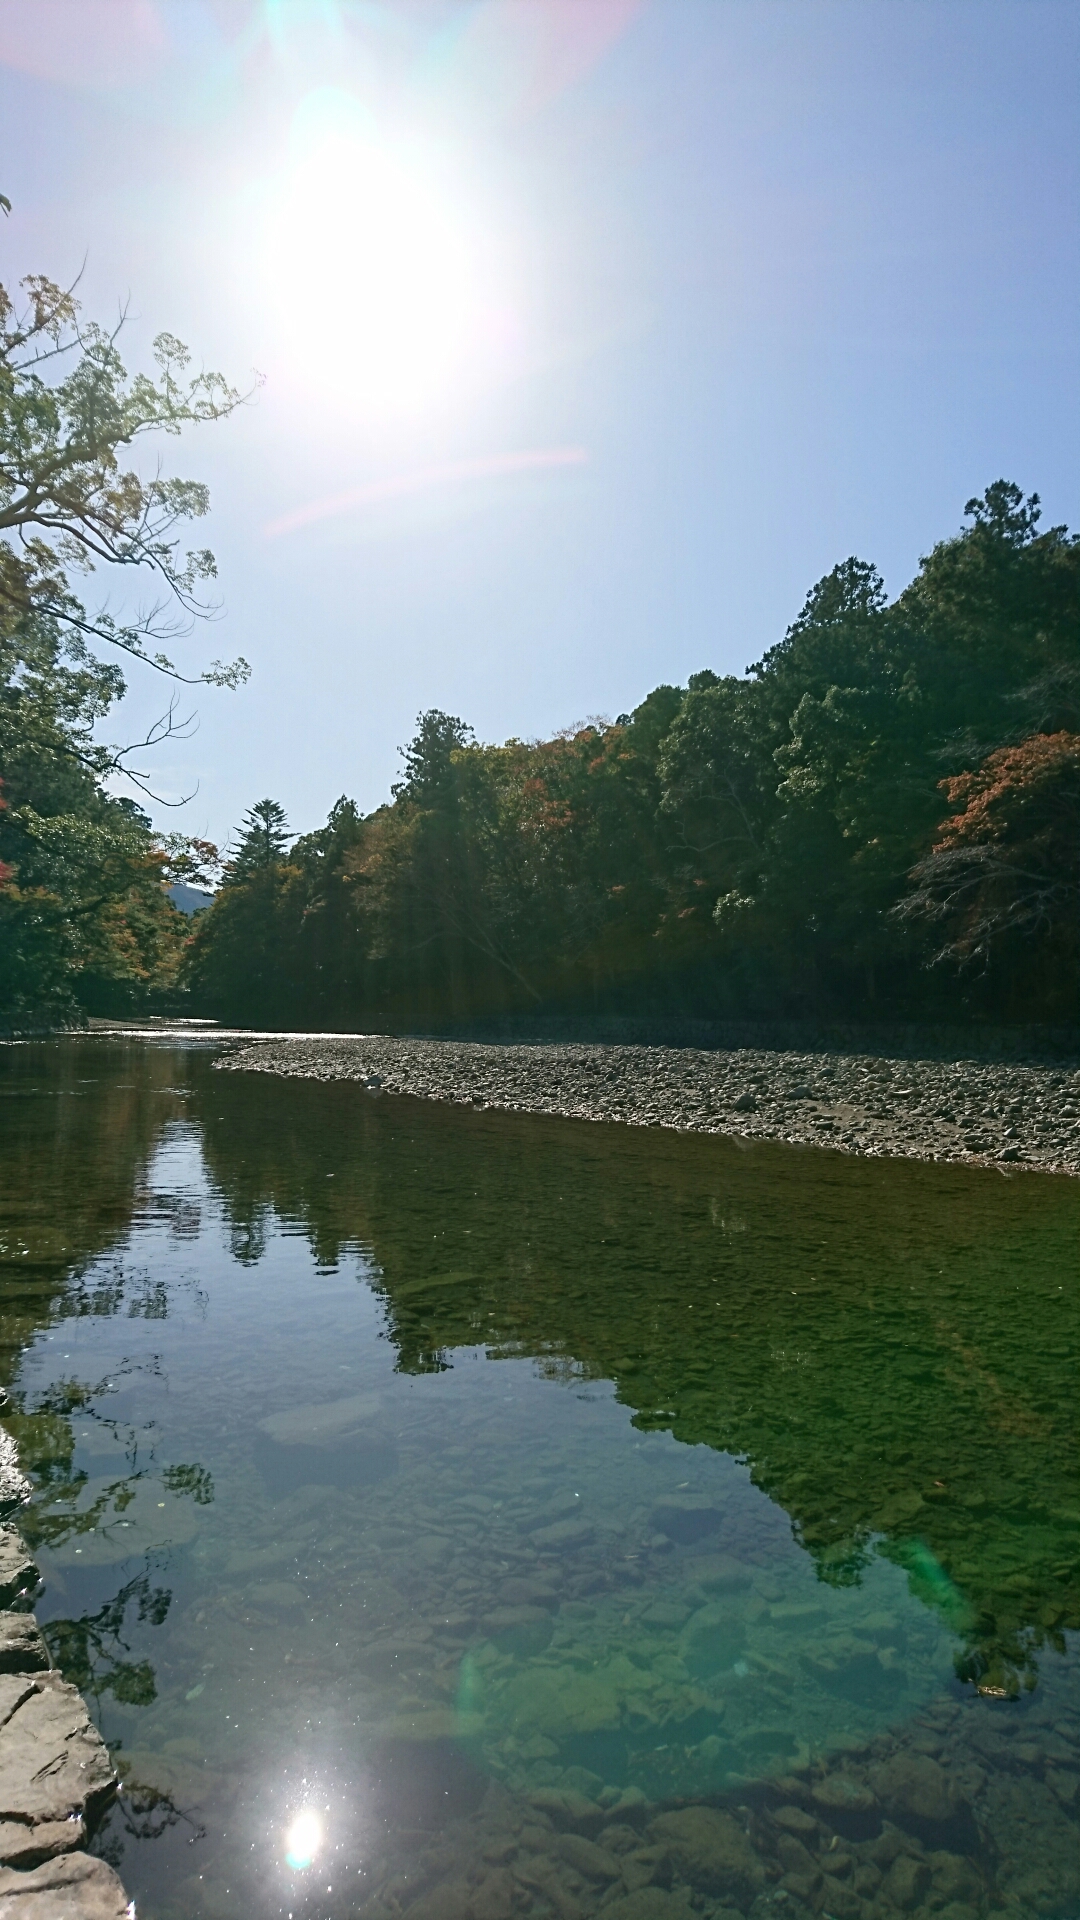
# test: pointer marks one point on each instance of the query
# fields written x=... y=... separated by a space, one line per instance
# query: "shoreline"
x=964 y=1112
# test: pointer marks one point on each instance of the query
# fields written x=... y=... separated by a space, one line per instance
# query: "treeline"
x=881 y=817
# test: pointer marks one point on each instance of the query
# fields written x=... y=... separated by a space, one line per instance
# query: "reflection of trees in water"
x=140 y=1813
x=855 y=1335
x=93 y=1653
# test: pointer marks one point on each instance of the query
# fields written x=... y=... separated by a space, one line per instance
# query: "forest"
x=880 y=818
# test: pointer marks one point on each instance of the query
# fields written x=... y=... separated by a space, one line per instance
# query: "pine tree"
x=263 y=841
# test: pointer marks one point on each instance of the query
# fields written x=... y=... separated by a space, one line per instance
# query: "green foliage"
x=84 y=917
x=772 y=844
x=264 y=838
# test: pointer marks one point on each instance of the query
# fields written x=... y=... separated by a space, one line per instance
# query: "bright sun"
x=378 y=271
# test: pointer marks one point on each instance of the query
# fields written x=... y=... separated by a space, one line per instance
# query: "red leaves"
x=1041 y=775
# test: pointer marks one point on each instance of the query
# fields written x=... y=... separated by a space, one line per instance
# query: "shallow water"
x=484 y=1485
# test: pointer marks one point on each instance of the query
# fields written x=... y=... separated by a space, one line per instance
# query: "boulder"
x=18 y=1574
x=563 y=1534
x=322 y=1424
x=522 y=1630
x=22 y=1649
x=686 y=1520
x=494 y=1898
x=72 y=1888
x=14 y=1485
x=54 y=1766
x=711 y=1850
x=23 y=1844
x=843 y=1793
x=596 y=1863
x=712 y=1640
x=906 y=1882
x=528 y=1593
x=912 y=1786
x=648 y=1903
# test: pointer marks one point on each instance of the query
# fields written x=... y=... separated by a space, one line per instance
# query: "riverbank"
x=969 y=1111
x=56 y=1774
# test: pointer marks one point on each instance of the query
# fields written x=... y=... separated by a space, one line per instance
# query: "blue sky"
x=592 y=332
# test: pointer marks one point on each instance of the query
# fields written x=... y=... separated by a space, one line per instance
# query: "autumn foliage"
x=880 y=817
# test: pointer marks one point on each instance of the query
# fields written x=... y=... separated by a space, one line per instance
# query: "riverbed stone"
x=564 y=1534
x=587 y=1858
x=74 y=1887
x=843 y=1793
x=710 y=1849
x=912 y=1786
x=648 y=1903
x=906 y=1882
x=519 y=1630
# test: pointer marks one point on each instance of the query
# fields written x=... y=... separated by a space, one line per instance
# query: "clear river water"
x=471 y=1514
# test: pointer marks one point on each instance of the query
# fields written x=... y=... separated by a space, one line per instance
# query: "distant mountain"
x=189 y=899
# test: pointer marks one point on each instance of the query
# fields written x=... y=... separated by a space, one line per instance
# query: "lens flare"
x=303 y=1840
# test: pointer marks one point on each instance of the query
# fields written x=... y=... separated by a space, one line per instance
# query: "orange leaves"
x=1041 y=770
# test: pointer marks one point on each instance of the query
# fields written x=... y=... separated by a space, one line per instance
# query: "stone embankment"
x=56 y=1775
x=969 y=1111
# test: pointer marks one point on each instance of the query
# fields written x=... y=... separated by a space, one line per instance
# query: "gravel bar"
x=966 y=1111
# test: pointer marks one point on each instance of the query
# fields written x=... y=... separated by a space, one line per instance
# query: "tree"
x=1005 y=870
x=746 y=844
x=81 y=872
x=66 y=504
x=263 y=842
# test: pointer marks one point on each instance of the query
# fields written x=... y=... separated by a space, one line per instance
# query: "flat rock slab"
x=74 y=1888
x=25 y=1845
x=18 y=1574
x=22 y=1649
x=54 y=1766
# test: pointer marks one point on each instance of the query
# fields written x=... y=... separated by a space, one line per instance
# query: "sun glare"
x=377 y=272
x=303 y=1840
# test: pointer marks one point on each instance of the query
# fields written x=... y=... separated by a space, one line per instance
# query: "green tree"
x=263 y=841
x=82 y=875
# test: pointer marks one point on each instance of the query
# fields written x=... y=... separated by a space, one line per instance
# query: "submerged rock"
x=519 y=1630
x=912 y=1786
x=686 y=1521
x=711 y=1850
x=649 y=1903
x=319 y=1425
x=712 y=1640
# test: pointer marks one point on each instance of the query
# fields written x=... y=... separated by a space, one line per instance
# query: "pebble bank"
x=1006 y=1113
